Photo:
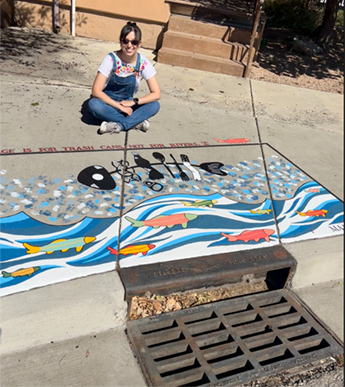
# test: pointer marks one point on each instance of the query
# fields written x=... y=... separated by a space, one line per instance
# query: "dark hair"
x=130 y=27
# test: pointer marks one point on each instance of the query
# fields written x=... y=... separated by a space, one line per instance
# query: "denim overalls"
x=120 y=89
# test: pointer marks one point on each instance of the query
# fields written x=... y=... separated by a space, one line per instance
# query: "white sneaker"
x=143 y=126
x=110 y=127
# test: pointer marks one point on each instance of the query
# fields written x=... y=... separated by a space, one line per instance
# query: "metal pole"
x=257 y=12
x=56 y=16
x=73 y=18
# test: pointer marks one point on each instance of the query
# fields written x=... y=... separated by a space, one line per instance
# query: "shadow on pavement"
x=86 y=116
x=19 y=44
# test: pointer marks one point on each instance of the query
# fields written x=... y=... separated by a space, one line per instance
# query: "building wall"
x=102 y=19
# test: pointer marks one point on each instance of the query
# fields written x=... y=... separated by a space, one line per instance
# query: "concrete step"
x=191 y=60
x=186 y=25
x=238 y=33
x=197 y=11
x=205 y=45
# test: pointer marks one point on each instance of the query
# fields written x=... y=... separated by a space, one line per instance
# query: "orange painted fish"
x=311 y=190
x=313 y=213
x=233 y=140
x=163 y=221
x=133 y=249
x=248 y=235
x=21 y=272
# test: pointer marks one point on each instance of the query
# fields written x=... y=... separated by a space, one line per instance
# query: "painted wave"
x=309 y=197
x=20 y=228
x=202 y=235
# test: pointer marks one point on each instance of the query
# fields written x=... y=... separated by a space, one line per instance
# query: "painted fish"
x=313 y=213
x=200 y=203
x=311 y=190
x=248 y=235
x=233 y=140
x=163 y=221
x=133 y=249
x=260 y=212
x=21 y=272
x=62 y=245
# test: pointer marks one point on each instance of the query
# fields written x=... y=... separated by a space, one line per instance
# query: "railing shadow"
x=29 y=16
x=19 y=46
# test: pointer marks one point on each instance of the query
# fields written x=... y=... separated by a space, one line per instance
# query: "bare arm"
x=97 y=92
x=154 y=94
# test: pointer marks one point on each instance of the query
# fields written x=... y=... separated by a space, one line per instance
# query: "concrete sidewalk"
x=73 y=333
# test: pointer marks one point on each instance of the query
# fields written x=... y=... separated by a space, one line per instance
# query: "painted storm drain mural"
x=174 y=207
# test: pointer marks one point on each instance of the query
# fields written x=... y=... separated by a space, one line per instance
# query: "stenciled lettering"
x=336 y=227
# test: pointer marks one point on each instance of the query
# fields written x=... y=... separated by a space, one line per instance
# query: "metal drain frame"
x=230 y=342
x=274 y=264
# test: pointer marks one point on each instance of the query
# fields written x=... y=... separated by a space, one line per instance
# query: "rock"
x=306 y=47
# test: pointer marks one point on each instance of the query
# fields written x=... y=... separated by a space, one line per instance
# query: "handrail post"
x=257 y=12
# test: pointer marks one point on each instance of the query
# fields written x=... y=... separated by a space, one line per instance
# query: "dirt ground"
x=327 y=373
x=279 y=63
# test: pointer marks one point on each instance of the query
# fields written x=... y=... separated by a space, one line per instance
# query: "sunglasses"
x=134 y=42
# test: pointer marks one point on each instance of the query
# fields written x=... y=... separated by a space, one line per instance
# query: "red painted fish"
x=133 y=249
x=311 y=190
x=248 y=235
x=234 y=140
x=313 y=213
x=163 y=221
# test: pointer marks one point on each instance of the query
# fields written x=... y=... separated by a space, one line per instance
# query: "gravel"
x=279 y=63
x=326 y=373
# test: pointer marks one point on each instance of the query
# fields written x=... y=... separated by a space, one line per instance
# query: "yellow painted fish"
x=133 y=249
x=200 y=203
x=260 y=212
x=62 y=245
x=21 y=272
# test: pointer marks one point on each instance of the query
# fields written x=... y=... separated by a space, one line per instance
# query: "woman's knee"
x=155 y=106
x=95 y=105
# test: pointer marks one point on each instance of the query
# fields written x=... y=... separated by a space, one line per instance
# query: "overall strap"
x=114 y=61
x=137 y=65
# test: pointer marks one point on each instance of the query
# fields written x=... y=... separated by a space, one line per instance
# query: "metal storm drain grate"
x=230 y=342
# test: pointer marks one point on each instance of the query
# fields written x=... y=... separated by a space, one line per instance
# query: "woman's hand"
x=125 y=109
x=127 y=103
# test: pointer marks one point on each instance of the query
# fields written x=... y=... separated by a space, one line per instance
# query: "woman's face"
x=130 y=44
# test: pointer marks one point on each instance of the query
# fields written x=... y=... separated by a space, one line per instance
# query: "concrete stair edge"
x=208 y=28
x=189 y=8
x=216 y=48
x=201 y=62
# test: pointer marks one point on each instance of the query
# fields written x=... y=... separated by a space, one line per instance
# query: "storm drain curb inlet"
x=229 y=342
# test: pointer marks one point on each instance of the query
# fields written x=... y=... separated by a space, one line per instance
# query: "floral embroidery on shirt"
x=126 y=69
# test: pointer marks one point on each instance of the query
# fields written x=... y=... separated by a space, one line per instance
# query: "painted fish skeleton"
x=163 y=221
x=248 y=235
x=233 y=140
x=133 y=249
x=62 y=245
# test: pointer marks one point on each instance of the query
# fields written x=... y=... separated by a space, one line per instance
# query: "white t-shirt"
x=124 y=69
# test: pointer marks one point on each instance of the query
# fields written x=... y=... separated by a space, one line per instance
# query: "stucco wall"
x=101 y=19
